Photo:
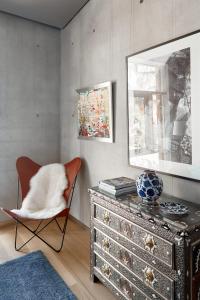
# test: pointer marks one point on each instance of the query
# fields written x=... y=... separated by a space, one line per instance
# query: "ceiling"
x=55 y=13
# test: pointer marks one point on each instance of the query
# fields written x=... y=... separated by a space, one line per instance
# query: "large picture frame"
x=95 y=112
x=163 y=91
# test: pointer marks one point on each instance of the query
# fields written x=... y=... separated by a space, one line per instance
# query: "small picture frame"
x=95 y=113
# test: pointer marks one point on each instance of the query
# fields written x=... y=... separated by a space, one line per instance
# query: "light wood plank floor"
x=72 y=263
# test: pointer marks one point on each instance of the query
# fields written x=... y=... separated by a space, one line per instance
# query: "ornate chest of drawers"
x=141 y=253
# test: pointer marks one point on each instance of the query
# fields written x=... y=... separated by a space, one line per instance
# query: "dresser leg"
x=94 y=278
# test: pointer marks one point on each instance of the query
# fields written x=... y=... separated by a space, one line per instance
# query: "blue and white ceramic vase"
x=149 y=186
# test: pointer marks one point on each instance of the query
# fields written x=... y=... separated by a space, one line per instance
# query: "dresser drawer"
x=119 y=281
x=149 y=275
x=156 y=246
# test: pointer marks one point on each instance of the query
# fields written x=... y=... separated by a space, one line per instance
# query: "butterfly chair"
x=26 y=169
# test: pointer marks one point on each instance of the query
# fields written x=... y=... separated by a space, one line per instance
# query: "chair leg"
x=16 y=232
x=20 y=247
x=63 y=233
x=35 y=234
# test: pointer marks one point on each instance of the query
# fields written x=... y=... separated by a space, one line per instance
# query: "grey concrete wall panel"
x=103 y=33
x=29 y=98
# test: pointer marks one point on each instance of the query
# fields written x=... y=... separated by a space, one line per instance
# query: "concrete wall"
x=29 y=98
x=93 y=50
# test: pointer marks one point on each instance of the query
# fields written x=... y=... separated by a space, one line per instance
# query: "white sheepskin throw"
x=45 y=197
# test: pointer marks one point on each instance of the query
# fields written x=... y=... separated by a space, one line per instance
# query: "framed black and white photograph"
x=164 y=107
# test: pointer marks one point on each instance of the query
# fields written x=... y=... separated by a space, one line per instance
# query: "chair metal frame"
x=35 y=232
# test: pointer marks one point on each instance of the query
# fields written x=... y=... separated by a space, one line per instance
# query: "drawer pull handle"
x=165 y=226
x=125 y=257
x=125 y=287
x=106 y=244
x=126 y=291
x=125 y=261
x=106 y=270
x=152 y=221
x=106 y=218
x=126 y=229
x=149 y=243
x=149 y=276
x=139 y=215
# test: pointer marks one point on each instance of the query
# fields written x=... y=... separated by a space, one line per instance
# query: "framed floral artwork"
x=95 y=112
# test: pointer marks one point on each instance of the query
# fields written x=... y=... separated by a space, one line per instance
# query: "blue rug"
x=31 y=277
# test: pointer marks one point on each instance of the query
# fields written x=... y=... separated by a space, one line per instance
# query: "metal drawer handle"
x=149 y=276
x=106 y=217
x=125 y=260
x=124 y=257
x=165 y=226
x=149 y=243
x=152 y=220
x=106 y=270
x=125 y=287
x=106 y=244
x=126 y=229
x=126 y=291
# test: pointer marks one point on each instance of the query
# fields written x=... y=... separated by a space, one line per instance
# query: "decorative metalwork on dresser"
x=141 y=253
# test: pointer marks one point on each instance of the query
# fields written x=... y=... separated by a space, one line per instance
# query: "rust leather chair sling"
x=26 y=169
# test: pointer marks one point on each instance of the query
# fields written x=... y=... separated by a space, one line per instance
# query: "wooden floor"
x=72 y=263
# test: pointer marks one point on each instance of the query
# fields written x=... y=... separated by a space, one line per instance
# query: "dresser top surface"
x=132 y=203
